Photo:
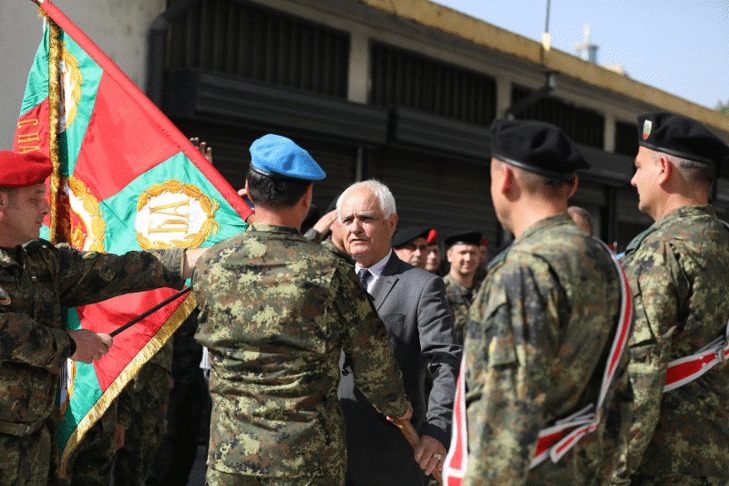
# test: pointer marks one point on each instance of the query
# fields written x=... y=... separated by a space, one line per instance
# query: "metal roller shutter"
x=448 y=194
x=231 y=157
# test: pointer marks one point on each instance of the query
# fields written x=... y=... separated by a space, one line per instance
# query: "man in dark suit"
x=412 y=304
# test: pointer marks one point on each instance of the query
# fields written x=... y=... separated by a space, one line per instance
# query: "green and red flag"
x=125 y=179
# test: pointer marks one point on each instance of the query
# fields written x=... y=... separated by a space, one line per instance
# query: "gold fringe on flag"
x=55 y=52
x=153 y=345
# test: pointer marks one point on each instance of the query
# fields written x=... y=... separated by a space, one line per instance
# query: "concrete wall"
x=118 y=27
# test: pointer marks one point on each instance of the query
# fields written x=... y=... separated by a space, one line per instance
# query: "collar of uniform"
x=6 y=257
x=271 y=228
x=678 y=213
x=556 y=220
x=449 y=280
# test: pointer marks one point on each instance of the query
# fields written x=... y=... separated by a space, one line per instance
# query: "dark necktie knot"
x=364 y=277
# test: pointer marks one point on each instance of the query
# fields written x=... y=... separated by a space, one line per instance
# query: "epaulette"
x=635 y=242
x=497 y=259
x=34 y=245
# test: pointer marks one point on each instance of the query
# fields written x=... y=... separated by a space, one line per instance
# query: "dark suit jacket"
x=412 y=304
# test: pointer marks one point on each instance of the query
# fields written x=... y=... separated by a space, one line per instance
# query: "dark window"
x=403 y=78
x=581 y=125
x=240 y=39
x=626 y=139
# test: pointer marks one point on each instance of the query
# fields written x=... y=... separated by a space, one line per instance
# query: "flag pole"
x=54 y=120
x=149 y=312
x=411 y=435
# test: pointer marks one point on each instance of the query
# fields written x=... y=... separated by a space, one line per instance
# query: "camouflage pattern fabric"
x=275 y=313
x=329 y=245
x=540 y=329
x=189 y=403
x=459 y=300
x=679 y=273
x=145 y=418
x=24 y=461
x=92 y=460
x=316 y=237
x=37 y=281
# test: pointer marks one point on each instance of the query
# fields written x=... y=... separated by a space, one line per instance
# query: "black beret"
x=407 y=234
x=681 y=136
x=466 y=238
x=535 y=147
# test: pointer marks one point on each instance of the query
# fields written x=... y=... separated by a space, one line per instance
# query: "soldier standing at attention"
x=542 y=326
x=462 y=252
x=679 y=274
x=37 y=281
x=276 y=310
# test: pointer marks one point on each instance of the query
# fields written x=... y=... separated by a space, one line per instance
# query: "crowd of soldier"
x=572 y=366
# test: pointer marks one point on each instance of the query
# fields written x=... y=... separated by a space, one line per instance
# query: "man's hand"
x=90 y=345
x=325 y=222
x=430 y=454
x=203 y=148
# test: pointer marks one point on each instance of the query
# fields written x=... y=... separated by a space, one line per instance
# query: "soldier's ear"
x=665 y=170
x=506 y=179
x=575 y=181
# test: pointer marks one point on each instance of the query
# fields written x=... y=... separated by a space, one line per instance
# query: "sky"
x=679 y=47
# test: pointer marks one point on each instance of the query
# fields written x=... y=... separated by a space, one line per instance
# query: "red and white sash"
x=685 y=370
x=554 y=441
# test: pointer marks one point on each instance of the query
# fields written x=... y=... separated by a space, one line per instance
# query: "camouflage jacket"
x=459 y=300
x=276 y=311
x=37 y=281
x=679 y=274
x=539 y=332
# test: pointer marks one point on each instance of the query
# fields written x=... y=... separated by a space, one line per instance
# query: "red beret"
x=20 y=170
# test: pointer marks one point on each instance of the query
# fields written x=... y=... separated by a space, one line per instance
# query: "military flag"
x=125 y=178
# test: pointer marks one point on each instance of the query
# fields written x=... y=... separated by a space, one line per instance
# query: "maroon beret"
x=20 y=170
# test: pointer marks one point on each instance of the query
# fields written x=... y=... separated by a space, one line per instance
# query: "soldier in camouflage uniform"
x=462 y=252
x=276 y=310
x=188 y=406
x=38 y=280
x=542 y=325
x=143 y=414
x=329 y=224
x=679 y=273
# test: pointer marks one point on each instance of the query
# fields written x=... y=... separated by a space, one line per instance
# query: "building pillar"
x=359 y=68
x=609 y=133
x=503 y=96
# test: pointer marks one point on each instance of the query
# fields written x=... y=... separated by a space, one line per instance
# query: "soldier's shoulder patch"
x=4 y=297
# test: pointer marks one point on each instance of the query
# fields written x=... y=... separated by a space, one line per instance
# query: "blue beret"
x=274 y=154
x=681 y=136
x=535 y=147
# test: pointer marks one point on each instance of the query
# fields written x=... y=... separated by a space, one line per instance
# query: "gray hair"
x=696 y=172
x=379 y=190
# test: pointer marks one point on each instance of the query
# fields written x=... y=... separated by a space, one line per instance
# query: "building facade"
x=399 y=90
